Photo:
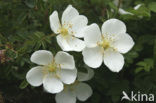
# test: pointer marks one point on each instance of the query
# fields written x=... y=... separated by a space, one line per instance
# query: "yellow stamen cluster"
x=52 y=68
x=105 y=43
x=64 y=31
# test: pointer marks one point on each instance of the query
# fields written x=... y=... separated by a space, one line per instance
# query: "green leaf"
x=139 y=69
x=23 y=85
x=146 y=65
x=152 y=6
x=30 y=3
x=113 y=6
x=142 y=11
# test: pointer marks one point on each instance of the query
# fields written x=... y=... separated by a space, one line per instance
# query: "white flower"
x=69 y=30
x=53 y=71
x=124 y=12
x=137 y=6
x=106 y=46
x=79 y=90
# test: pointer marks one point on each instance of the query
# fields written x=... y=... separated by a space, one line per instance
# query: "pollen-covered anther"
x=70 y=25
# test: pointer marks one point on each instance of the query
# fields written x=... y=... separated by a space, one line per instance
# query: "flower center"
x=64 y=31
x=52 y=68
x=104 y=44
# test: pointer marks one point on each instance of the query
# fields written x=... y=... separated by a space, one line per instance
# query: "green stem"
x=118 y=6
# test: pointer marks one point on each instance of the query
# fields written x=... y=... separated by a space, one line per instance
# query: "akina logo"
x=137 y=97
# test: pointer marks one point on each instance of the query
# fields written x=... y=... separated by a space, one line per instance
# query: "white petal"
x=137 y=6
x=85 y=76
x=35 y=76
x=54 y=22
x=92 y=35
x=68 y=76
x=123 y=12
x=65 y=97
x=83 y=91
x=78 y=24
x=52 y=84
x=123 y=43
x=42 y=57
x=63 y=43
x=76 y=44
x=68 y=14
x=92 y=57
x=113 y=27
x=65 y=60
x=113 y=60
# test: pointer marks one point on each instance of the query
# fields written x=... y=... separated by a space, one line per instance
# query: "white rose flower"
x=53 y=71
x=79 y=90
x=69 y=30
x=107 y=46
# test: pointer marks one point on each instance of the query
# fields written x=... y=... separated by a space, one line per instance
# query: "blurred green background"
x=24 y=28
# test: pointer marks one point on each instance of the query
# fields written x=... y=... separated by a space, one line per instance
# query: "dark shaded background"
x=24 y=28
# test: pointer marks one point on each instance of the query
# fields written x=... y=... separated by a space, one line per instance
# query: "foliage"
x=24 y=28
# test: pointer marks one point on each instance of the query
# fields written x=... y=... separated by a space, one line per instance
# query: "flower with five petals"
x=53 y=71
x=70 y=30
x=107 y=46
